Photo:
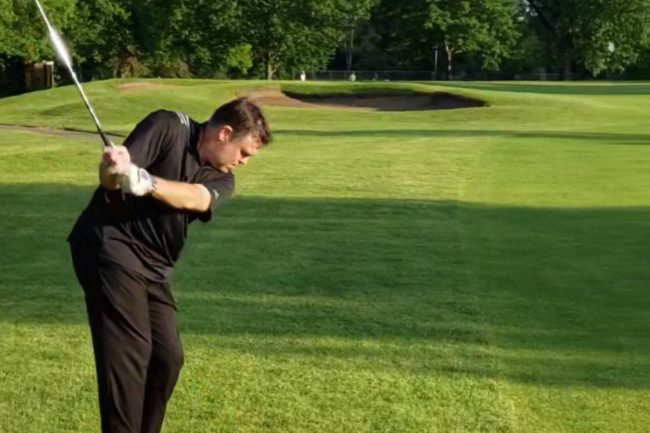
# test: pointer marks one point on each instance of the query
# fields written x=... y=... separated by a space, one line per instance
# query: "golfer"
x=170 y=172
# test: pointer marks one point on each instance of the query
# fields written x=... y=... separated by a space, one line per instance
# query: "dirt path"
x=64 y=133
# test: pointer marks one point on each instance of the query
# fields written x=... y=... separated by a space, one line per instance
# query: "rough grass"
x=480 y=270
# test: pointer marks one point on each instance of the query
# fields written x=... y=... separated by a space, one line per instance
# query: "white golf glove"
x=137 y=181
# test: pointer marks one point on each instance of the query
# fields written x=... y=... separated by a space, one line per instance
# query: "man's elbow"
x=203 y=199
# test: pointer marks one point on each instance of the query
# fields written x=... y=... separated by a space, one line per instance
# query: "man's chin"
x=224 y=169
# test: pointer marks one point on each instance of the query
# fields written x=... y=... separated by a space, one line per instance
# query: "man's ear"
x=225 y=133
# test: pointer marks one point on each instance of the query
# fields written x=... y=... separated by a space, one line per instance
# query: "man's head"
x=234 y=133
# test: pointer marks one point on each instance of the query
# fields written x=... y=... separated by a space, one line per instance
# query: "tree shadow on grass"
x=548 y=296
x=595 y=137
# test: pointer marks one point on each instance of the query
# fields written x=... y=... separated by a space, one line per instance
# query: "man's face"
x=224 y=151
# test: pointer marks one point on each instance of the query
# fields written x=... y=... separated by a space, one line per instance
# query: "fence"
x=432 y=76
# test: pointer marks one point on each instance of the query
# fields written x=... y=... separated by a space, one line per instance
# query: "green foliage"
x=288 y=36
x=196 y=36
x=401 y=35
x=626 y=26
x=178 y=38
x=579 y=32
x=484 y=27
x=240 y=59
x=22 y=31
x=99 y=33
x=354 y=15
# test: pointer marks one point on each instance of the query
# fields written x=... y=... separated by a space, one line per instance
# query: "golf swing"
x=170 y=171
x=124 y=246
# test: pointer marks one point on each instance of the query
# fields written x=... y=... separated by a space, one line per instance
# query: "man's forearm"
x=181 y=195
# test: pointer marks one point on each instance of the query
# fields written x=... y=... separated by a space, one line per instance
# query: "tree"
x=354 y=13
x=599 y=35
x=101 y=34
x=483 y=27
x=205 y=38
x=401 y=38
x=22 y=32
x=291 y=35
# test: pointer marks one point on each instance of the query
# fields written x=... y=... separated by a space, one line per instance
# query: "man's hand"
x=116 y=159
x=115 y=162
x=137 y=181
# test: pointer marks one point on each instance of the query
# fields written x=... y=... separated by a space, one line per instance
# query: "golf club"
x=65 y=58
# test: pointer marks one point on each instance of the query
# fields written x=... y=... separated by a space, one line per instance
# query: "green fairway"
x=474 y=270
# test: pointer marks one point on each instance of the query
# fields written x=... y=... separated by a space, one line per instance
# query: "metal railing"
x=337 y=75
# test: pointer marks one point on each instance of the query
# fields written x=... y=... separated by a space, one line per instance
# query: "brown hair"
x=244 y=117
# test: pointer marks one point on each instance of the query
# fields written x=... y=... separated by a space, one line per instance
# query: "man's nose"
x=244 y=161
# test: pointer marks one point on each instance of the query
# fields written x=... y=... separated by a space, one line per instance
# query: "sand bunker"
x=364 y=102
x=359 y=102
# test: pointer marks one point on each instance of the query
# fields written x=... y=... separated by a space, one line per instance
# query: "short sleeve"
x=151 y=138
x=220 y=186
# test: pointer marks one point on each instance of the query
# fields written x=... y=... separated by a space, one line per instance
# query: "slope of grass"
x=480 y=270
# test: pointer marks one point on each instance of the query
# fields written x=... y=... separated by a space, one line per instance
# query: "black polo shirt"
x=141 y=234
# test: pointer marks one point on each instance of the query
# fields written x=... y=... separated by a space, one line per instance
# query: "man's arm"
x=117 y=172
x=180 y=195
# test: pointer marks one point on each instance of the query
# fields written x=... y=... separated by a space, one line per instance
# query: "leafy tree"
x=154 y=26
x=354 y=14
x=22 y=31
x=208 y=37
x=484 y=27
x=413 y=32
x=239 y=60
x=401 y=35
x=600 y=35
x=100 y=32
x=180 y=38
x=290 y=35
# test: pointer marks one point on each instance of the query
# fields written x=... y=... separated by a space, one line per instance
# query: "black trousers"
x=138 y=353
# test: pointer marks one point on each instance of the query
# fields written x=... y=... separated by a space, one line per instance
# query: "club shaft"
x=105 y=139
x=40 y=8
x=66 y=60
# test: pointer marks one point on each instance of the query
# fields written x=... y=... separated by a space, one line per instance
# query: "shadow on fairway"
x=548 y=296
x=596 y=137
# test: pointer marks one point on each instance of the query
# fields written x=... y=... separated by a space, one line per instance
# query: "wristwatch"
x=154 y=184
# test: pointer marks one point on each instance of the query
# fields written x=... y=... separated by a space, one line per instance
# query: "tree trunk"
x=450 y=55
x=349 y=55
x=269 y=67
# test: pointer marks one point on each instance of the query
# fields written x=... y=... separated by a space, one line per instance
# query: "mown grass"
x=480 y=270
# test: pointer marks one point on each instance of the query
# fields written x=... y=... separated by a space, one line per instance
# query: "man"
x=170 y=172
